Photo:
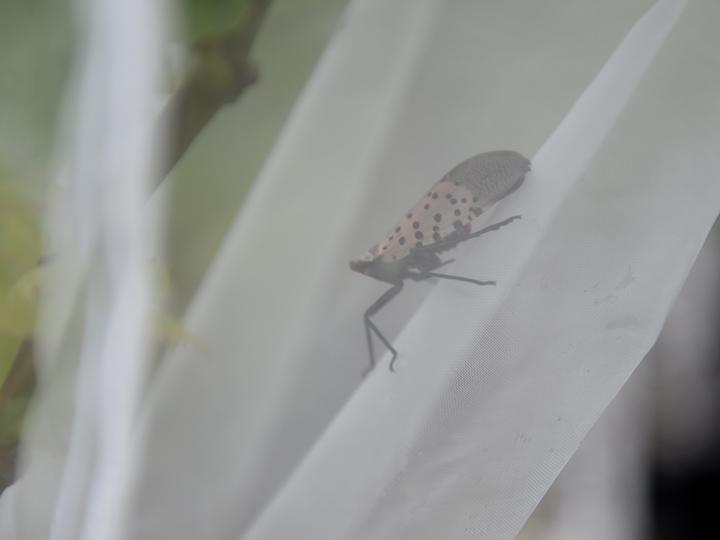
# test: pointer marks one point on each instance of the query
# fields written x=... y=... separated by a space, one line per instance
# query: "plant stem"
x=221 y=73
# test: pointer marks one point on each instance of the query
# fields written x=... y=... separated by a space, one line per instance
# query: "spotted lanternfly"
x=438 y=222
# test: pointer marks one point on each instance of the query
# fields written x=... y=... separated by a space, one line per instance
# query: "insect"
x=438 y=222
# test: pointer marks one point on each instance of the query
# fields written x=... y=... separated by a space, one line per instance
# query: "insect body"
x=438 y=222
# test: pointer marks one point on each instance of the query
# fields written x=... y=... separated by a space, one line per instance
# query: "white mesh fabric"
x=495 y=387
x=79 y=456
x=266 y=431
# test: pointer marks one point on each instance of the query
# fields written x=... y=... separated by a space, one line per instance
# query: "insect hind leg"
x=420 y=276
x=493 y=227
x=370 y=327
x=457 y=278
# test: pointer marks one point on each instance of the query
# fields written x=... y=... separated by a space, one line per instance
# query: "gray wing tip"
x=515 y=154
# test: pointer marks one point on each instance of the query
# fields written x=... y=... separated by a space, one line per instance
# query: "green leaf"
x=11 y=419
x=19 y=275
x=206 y=18
x=18 y=305
x=19 y=236
x=9 y=347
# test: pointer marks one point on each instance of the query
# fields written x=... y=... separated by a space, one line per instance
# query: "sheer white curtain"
x=79 y=452
x=266 y=430
x=495 y=387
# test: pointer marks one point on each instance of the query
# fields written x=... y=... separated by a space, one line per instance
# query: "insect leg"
x=458 y=278
x=370 y=326
x=426 y=275
x=456 y=237
x=493 y=227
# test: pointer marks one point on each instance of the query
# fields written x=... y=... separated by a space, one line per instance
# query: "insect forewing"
x=454 y=201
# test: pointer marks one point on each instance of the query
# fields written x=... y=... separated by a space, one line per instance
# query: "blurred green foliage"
x=20 y=279
x=205 y=18
x=19 y=274
x=11 y=419
x=36 y=47
x=36 y=44
x=37 y=41
x=36 y=52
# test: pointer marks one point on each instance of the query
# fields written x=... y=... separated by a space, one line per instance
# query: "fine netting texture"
x=495 y=387
x=268 y=431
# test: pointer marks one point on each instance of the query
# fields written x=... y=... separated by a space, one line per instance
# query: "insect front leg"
x=370 y=326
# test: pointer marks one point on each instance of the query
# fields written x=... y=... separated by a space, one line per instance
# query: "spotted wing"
x=452 y=203
x=445 y=208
